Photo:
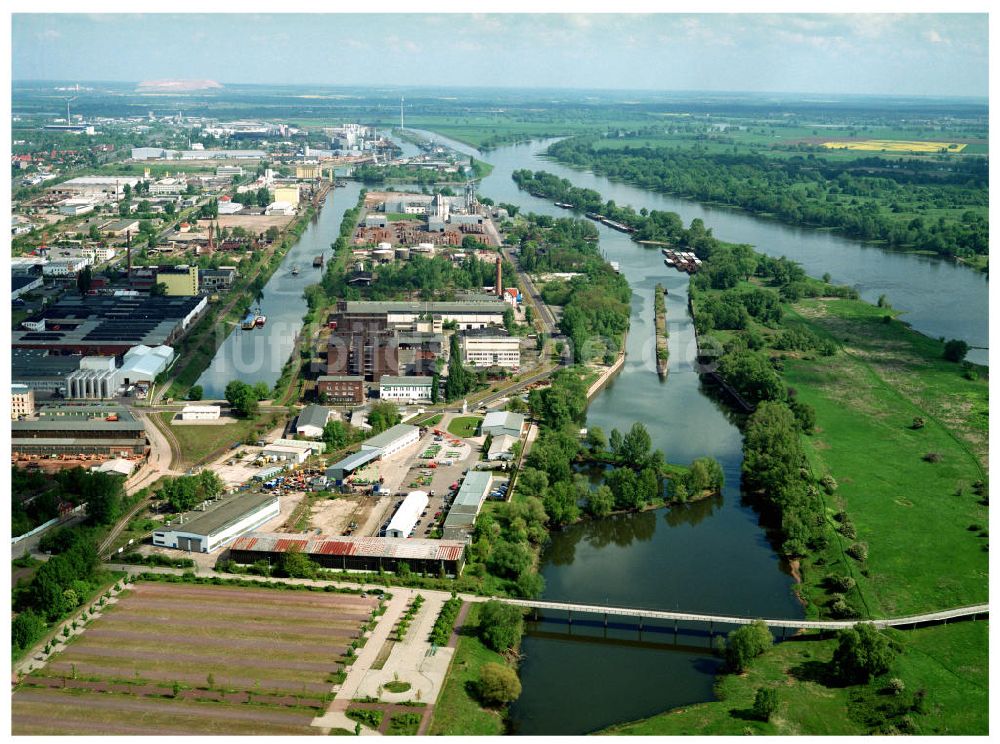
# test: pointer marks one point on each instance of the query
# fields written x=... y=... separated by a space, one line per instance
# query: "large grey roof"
x=313 y=415
x=222 y=516
x=389 y=436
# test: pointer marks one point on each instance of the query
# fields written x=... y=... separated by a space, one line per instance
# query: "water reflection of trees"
x=620 y=530
x=694 y=512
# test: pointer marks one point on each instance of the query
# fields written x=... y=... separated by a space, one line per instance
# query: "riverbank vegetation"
x=937 y=684
x=938 y=205
x=860 y=433
x=487 y=647
x=660 y=326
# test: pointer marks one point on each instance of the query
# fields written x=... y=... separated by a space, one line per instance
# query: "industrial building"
x=340 y=471
x=392 y=440
x=104 y=325
x=296 y=452
x=382 y=445
x=216 y=280
x=22 y=401
x=354 y=553
x=216 y=527
x=22 y=284
x=98 y=376
x=42 y=372
x=489 y=347
x=407 y=515
x=75 y=429
x=313 y=447
x=311 y=421
x=287 y=193
x=160 y=153
x=469 y=500
x=497 y=423
x=343 y=389
x=476 y=313
x=103 y=186
x=501 y=447
x=196 y=412
x=179 y=281
x=406 y=389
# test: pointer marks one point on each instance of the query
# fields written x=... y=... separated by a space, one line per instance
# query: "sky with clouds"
x=906 y=54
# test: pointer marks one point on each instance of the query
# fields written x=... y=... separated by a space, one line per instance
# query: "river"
x=708 y=556
x=260 y=354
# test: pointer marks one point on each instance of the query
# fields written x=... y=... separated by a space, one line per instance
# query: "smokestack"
x=128 y=252
x=499 y=279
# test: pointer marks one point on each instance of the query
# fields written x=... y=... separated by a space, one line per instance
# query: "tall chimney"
x=499 y=279
x=128 y=251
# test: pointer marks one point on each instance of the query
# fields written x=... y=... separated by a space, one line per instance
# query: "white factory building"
x=406 y=389
x=392 y=440
x=311 y=421
x=104 y=186
x=492 y=350
x=407 y=515
x=97 y=376
x=297 y=452
x=216 y=527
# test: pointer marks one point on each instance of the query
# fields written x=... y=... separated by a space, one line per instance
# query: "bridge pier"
x=569 y=617
x=605 y=621
x=784 y=629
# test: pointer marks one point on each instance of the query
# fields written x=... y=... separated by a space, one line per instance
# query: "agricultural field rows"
x=182 y=659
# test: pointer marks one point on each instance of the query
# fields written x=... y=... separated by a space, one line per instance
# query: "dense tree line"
x=595 y=305
x=863 y=198
x=59 y=586
x=37 y=496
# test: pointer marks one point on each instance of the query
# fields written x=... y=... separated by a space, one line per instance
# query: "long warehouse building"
x=407 y=515
x=354 y=553
x=215 y=528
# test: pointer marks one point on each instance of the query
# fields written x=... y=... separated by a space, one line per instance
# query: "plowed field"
x=143 y=668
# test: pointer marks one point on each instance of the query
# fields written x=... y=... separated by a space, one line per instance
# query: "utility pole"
x=401 y=126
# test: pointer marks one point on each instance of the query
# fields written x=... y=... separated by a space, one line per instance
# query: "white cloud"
x=933 y=37
x=49 y=34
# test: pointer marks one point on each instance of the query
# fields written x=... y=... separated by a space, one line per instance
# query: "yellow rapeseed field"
x=895 y=145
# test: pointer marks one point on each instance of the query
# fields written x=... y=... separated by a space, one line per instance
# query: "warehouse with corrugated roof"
x=354 y=553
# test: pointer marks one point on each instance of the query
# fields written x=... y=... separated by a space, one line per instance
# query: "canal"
x=259 y=355
x=703 y=557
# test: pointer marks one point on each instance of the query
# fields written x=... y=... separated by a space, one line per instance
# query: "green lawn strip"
x=464 y=426
x=890 y=493
x=957 y=690
x=198 y=441
x=457 y=712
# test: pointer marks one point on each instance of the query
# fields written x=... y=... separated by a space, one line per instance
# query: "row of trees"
x=60 y=585
x=187 y=491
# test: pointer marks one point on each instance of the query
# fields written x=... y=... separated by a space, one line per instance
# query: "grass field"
x=866 y=398
x=948 y=661
x=199 y=441
x=464 y=426
x=457 y=711
x=196 y=659
x=895 y=146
